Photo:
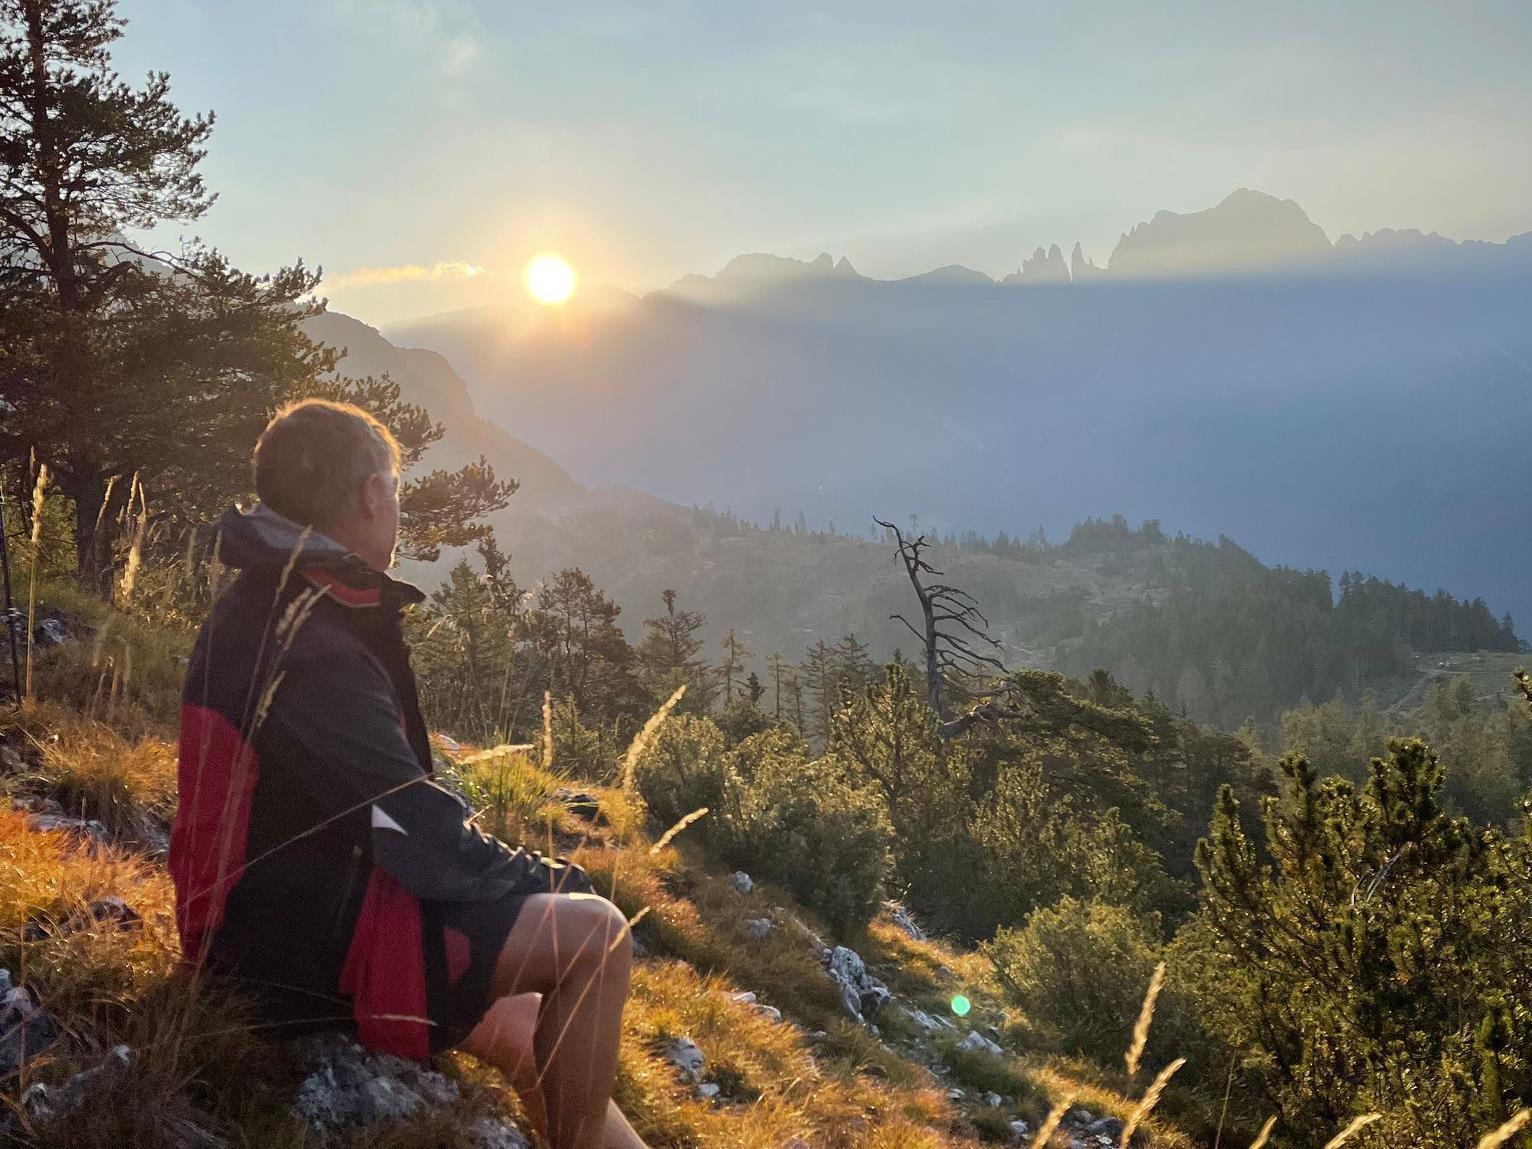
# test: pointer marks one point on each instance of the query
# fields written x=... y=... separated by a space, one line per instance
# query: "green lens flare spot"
x=961 y=1005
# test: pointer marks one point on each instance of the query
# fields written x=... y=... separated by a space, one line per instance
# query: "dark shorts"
x=461 y=942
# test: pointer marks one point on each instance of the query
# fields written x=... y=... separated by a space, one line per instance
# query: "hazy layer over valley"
x=1361 y=404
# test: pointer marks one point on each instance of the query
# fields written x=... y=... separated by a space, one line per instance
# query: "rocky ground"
x=748 y=1025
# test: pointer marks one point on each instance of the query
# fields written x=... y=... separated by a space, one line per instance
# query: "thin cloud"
x=405 y=273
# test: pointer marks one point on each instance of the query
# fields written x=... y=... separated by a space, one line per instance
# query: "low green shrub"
x=682 y=768
x=802 y=825
x=1078 y=971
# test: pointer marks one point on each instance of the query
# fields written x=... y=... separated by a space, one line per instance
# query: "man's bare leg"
x=504 y=1040
x=574 y=950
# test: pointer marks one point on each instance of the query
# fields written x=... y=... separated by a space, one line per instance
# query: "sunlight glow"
x=550 y=279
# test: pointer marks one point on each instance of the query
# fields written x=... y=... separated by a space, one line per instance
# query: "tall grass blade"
x=1145 y=1019
x=1150 y=1099
x=1265 y=1133
x=669 y=835
x=136 y=551
x=641 y=739
x=547 y=731
x=1051 y=1123
x=1503 y=1135
x=106 y=501
x=1356 y=1126
x=39 y=502
x=627 y=928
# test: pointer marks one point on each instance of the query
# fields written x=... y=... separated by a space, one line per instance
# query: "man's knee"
x=608 y=929
x=561 y=936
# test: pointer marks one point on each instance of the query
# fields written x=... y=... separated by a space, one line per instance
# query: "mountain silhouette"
x=1248 y=231
x=1357 y=405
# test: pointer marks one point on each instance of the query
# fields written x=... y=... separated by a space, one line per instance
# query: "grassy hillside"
x=84 y=808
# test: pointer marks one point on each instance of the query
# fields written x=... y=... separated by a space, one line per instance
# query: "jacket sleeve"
x=342 y=713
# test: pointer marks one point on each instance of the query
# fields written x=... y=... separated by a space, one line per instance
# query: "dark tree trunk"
x=91 y=544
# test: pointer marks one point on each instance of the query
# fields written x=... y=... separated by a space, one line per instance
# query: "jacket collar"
x=259 y=538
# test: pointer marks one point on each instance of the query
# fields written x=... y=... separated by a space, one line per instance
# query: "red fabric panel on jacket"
x=217 y=774
x=385 y=972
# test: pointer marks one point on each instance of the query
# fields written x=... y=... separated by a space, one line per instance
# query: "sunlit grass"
x=201 y=1072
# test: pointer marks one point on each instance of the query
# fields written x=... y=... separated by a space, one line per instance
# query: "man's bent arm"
x=342 y=711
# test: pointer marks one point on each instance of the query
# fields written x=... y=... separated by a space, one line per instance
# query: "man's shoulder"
x=254 y=621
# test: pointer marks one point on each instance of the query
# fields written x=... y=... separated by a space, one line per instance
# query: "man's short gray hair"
x=314 y=457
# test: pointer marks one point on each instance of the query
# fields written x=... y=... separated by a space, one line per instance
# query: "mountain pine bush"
x=1377 y=962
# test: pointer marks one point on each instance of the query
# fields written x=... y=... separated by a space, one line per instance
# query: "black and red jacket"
x=311 y=844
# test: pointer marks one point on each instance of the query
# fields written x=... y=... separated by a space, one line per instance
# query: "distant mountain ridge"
x=1248 y=232
x=1357 y=405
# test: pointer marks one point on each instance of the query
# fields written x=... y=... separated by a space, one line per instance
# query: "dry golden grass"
x=93 y=772
x=200 y=1072
x=1351 y=1130
x=772 y=1088
x=1060 y=1076
x=1145 y=1019
x=1265 y=1134
x=123 y=670
x=1502 y=1136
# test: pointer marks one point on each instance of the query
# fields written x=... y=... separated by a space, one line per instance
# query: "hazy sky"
x=404 y=143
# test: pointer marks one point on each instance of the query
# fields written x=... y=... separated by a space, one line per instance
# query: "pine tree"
x=668 y=656
x=1352 y=972
x=584 y=656
x=120 y=360
x=818 y=674
x=734 y=656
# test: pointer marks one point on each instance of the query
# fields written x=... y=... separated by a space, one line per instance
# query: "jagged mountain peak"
x=1246 y=231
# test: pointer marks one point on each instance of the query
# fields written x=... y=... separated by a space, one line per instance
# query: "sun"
x=550 y=280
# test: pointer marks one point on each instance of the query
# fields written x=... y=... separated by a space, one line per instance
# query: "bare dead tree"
x=960 y=657
x=954 y=635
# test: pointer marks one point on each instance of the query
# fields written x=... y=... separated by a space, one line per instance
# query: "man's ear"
x=375 y=495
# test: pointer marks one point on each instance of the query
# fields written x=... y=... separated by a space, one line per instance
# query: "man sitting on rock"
x=315 y=860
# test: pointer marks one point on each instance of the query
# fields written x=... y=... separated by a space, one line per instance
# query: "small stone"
x=923 y=1019
x=708 y=1090
x=36 y=1103
x=757 y=928
x=1108 y=1127
x=742 y=882
x=1020 y=1131
x=686 y=1055
x=25 y=1028
x=347 y=1085
x=582 y=805
x=769 y=1012
x=107 y=909
x=955 y=1094
x=49 y=823
x=1079 y=1115
x=993 y=1100
x=51 y=632
x=492 y=1133
x=901 y=918
x=743 y=997
x=976 y=1041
